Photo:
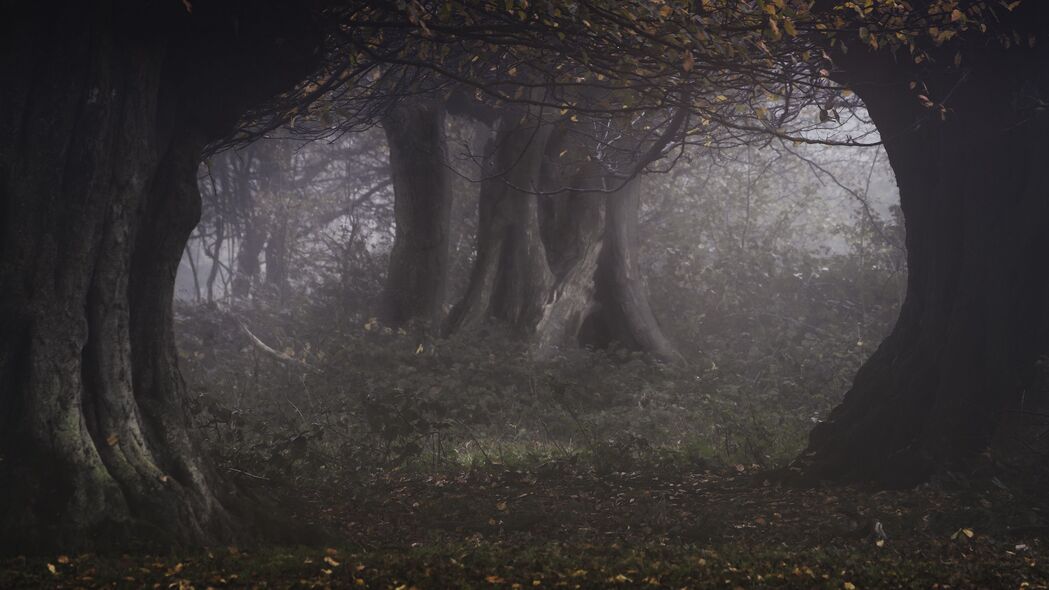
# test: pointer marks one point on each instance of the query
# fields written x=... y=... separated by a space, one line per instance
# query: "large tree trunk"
x=561 y=269
x=621 y=291
x=511 y=276
x=101 y=128
x=416 y=279
x=975 y=320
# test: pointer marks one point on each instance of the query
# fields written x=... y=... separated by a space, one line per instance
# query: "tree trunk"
x=251 y=247
x=416 y=279
x=277 y=256
x=511 y=276
x=240 y=168
x=621 y=293
x=100 y=135
x=562 y=268
x=975 y=321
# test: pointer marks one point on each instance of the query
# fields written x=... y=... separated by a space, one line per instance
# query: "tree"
x=557 y=246
x=108 y=107
x=417 y=275
x=965 y=133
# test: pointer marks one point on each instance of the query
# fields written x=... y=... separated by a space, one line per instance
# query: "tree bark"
x=559 y=269
x=416 y=279
x=975 y=321
x=105 y=110
x=511 y=276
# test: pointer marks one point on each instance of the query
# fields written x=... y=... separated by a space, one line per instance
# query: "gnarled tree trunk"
x=105 y=110
x=561 y=269
x=416 y=279
x=975 y=319
x=511 y=276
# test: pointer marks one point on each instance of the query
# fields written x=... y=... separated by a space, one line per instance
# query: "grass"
x=464 y=464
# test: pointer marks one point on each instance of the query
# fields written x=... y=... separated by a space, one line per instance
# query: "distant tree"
x=417 y=276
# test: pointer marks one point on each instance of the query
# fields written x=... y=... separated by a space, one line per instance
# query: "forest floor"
x=561 y=525
x=465 y=465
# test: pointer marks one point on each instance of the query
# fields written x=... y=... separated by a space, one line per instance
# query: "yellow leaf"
x=968 y=533
x=51 y=568
x=849 y=586
x=63 y=559
x=500 y=506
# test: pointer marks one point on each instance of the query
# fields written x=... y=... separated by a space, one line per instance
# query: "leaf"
x=112 y=440
x=501 y=506
x=51 y=568
x=688 y=62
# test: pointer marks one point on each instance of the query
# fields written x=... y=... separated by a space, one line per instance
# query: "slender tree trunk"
x=99 y=140
x=277 y=256
x=241 y=167
x=416 y=279
x=216 y=258
x=251 y=247
x=975 y=321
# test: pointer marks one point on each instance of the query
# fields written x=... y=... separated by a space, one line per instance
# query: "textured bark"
x=511 y=276
x=416 y=280
x=102 y=122
x=621 y=291
x=562 y=269
x=975 y=320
